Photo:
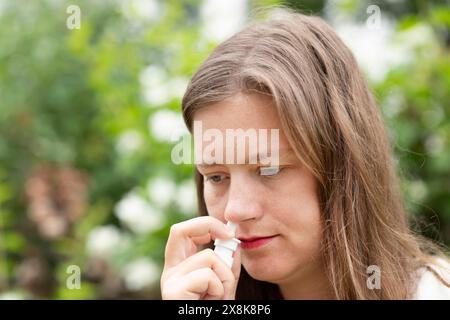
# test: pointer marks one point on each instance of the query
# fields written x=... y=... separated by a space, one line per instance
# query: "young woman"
x=331 y=217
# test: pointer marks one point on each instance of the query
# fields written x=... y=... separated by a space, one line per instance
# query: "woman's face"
x=282 y=204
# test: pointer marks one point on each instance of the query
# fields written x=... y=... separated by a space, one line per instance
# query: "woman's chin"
x=263 y=271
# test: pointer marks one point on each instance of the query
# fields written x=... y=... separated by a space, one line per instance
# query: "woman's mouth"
x=255 y=242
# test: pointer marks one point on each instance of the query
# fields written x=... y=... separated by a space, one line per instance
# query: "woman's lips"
x=255 y=242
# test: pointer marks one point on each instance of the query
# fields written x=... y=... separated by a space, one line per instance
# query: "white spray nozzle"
x=225 y=248
x=232 y=226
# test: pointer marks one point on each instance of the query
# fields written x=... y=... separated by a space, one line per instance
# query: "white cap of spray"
x=225 y=248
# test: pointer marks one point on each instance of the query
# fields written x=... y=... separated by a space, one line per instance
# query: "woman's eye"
x=215 y=179
x=269 y=171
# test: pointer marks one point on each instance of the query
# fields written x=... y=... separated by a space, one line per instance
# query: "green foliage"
x=415 y=100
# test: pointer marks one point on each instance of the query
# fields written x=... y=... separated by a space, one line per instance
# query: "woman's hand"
x=189 y=274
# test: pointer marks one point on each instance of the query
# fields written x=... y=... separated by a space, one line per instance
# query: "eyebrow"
x=285 y=152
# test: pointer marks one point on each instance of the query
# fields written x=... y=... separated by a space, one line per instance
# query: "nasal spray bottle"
x=225 y=248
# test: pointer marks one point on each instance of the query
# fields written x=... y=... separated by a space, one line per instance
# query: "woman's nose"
x=244 y=200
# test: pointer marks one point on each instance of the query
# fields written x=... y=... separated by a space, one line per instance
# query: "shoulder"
x=429 y=286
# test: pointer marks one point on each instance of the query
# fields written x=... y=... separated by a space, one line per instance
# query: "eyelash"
x=210 y=177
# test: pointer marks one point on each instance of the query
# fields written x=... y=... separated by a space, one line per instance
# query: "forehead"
x=242 y=129
x=242 y=111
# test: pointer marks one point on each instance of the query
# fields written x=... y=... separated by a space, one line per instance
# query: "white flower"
x=177 y=86
x=161 y=191
x=158 y=88
x=373 y=49
x=129 y=141
x=221 y=19
x=154 y=90
x=167 y=125
x=103 y=241
x=145 y=10
x=378 y=50
x=393 y=103
x=434 y=144
x=137 y=214
x=186 y=198
x=419 y=35
x=140 y=273
x=418 y=190
x=2 y=6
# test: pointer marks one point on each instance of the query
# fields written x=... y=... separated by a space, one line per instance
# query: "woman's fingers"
x=207 y=258
x=189 y=274
x=207 y=238
x=185 y=234
x=198 y=284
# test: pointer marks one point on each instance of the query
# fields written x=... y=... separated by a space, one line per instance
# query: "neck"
x=309 y=283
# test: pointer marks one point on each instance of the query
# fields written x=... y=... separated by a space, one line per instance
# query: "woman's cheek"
x=214 y=202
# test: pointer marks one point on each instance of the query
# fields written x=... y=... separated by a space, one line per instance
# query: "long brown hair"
x=332 y=122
